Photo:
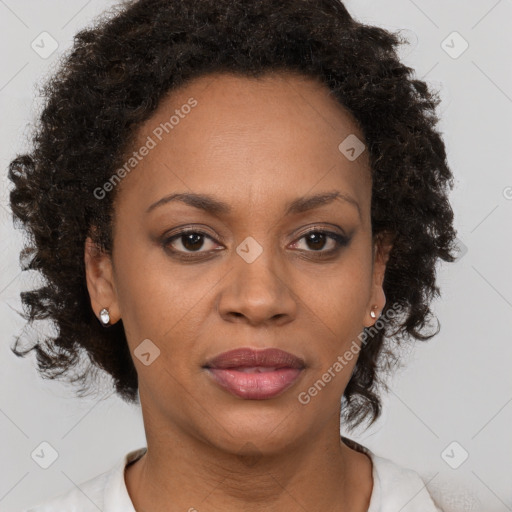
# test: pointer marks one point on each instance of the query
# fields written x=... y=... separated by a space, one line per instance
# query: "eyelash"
x=340 y=241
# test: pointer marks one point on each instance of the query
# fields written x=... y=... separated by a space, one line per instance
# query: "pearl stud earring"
x=104 y=316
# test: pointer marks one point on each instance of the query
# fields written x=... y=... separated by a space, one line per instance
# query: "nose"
x=257 y=293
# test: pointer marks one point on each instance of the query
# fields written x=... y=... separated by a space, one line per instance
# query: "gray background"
x=454 y=388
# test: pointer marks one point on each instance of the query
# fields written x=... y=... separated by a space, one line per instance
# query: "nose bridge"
x=257 y=265
x=257 y=288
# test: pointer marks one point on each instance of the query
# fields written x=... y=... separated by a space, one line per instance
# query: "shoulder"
x=395 y=487
x=86 y=497
x=102 y=492
x=400 y=488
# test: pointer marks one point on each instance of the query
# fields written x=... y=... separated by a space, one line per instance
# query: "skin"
x=255 y=144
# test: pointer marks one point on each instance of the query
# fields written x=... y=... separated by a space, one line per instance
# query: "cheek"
x=342 y=297
x=158 y=299
x=340 y=306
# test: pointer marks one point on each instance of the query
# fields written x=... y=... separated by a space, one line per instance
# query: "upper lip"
x=248 y=357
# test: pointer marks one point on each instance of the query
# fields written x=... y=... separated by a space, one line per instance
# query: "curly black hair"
x=113 y=79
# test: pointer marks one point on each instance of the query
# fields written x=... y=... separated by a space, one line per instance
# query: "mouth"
x=254 y=369
x=272 y=358
x=255 y=375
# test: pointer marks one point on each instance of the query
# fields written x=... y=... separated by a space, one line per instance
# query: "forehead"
x=276 y=135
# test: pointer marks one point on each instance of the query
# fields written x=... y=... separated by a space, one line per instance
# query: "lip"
x=255 y=374
x=248 y=357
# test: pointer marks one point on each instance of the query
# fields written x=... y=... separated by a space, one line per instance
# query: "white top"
x=394 y=488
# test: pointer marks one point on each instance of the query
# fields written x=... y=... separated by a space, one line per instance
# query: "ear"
x=100 y=281
x=382 y=245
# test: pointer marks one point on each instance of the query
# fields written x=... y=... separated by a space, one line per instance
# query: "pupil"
x=191 y=241
x=315 y=238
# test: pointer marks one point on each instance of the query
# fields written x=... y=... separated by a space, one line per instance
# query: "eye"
x=190 y=240
x=317 y=240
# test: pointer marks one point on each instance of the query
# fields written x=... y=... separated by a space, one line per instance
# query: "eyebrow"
x=213 y=206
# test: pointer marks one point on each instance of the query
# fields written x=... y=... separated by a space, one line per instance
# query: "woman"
x=238 y=207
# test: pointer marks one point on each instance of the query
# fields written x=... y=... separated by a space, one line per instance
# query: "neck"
x=182 y=472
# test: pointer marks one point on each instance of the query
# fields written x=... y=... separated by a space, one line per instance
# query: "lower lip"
x=255 y=386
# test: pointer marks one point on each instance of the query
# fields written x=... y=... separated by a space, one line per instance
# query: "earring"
x=105 y=317
x=372 y=313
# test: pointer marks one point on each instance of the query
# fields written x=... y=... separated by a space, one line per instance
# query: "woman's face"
x=248 y=274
